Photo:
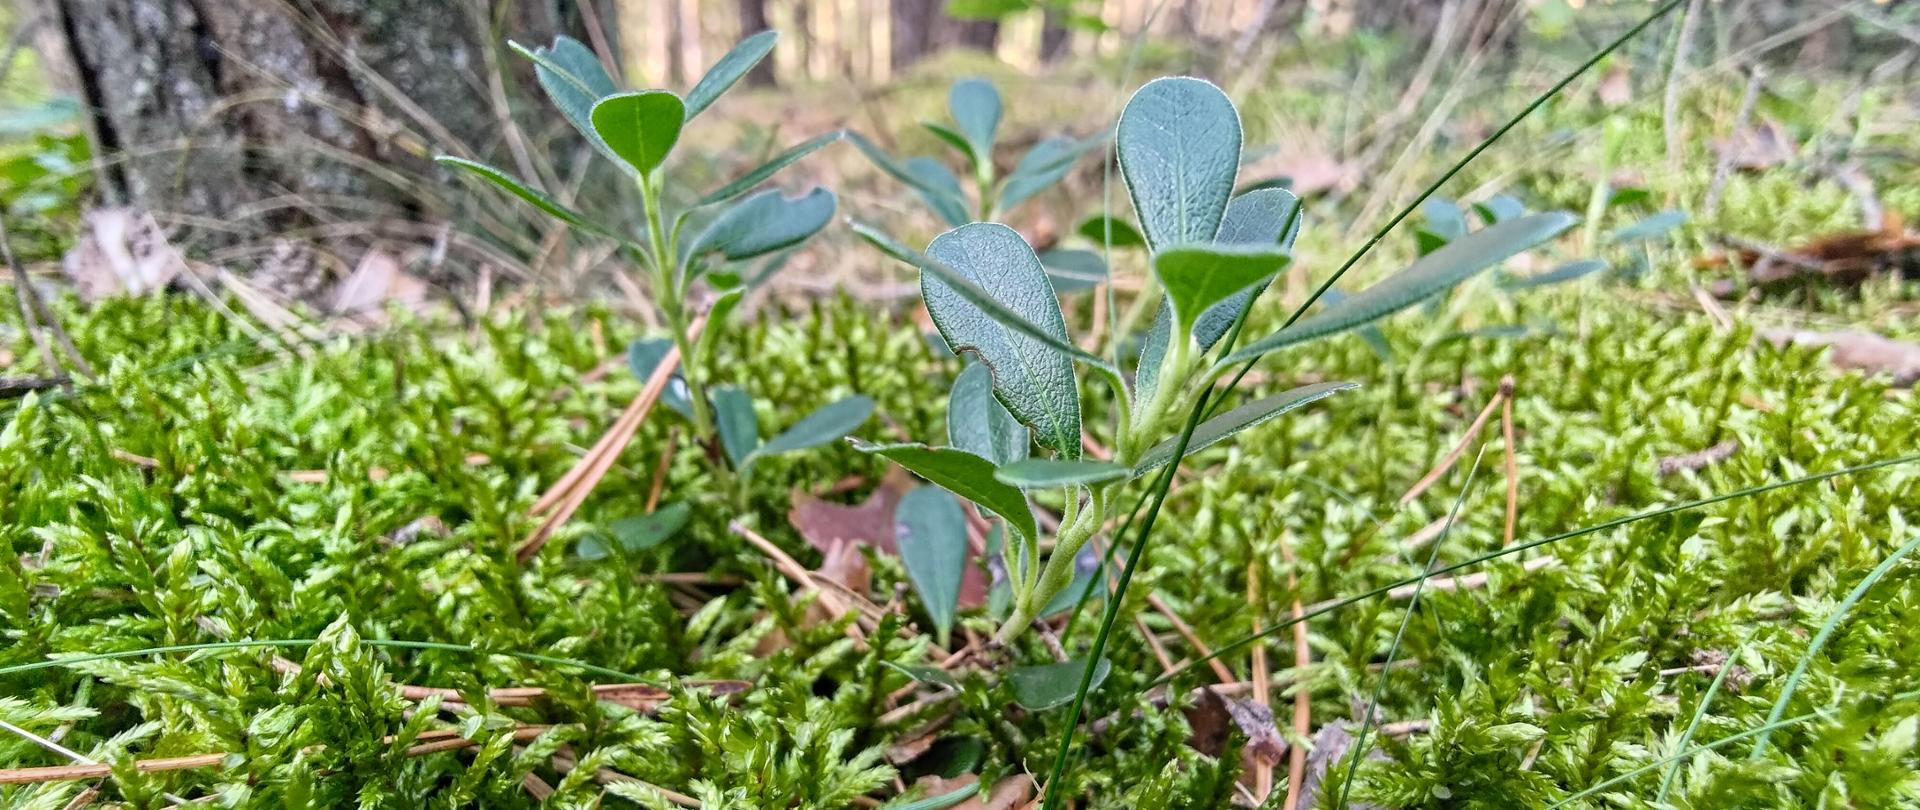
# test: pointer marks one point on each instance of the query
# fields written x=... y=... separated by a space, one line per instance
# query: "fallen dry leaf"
x=1616 y=87
x=1858 y=350
x=1843 y=259
x=376 y=280
x=121 y=251
x=837 y=530
x=1761 y=146
x=1214 y=717
x=1330 y=743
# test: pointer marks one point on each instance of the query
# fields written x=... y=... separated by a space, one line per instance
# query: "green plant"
x=1178 y=145
x=710 y=240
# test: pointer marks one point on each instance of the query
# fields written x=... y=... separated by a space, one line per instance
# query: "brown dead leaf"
x=1616 y=87
x=1330 y=743
x=1858 y=350
x=833 y=528
x=1214 y=717
x=1760 y=146
x=121 y=251
x=1845 y=259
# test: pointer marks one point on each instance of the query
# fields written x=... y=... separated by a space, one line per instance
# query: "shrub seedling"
x=711 y=240
x=1178 y=146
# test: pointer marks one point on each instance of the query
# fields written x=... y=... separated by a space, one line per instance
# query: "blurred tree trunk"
x=753 y=20
x=230 y=109
x=1054 y=34
x=912 y=29
x=980 y=35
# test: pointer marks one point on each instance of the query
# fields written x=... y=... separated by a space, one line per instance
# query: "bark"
x=223 y=109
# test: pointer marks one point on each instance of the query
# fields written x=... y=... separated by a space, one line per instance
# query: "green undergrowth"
x=1541 y=683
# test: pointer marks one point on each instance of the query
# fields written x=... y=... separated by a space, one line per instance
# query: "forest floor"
x=283 y=572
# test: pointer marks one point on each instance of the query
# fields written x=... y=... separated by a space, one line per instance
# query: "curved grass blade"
x=1820 y=638
x=1044 y=473
x=760 y=174
x=1252 y=414
x=531 y=197
x=1434 y=273
x=1699 y=714
x=1179 y=145
x=964 y=474
x=728 y=70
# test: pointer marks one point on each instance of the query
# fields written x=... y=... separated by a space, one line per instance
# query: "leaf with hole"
x=1250 y=415
x=975 y=106
x=1033 y=378
x=829 y=423
x=764 y=223
x=640 y=128
x=518 y=189
x=1046 y=473
x=738 y=425
x=1196 y=277
x=979 y=424
x=1178 y=143
x=1433 y=274
x=728 y=70
x=931 y=531
x=1100 y=229
x=761 y=173
x=963 y=474
x=1254 y=218
x=1039 y=687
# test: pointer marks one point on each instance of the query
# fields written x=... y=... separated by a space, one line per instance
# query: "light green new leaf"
x=531 y=197
x=1040 y=168
x=1444 y=218
x=1196 y=277
x=975 y=105
x=641 y=128
x=1017 y=332
x=1101 y=229
x=1179 y=145
x=1153 y=352
x=728 y=70
x=748 y=181
x=831 y=422
x=1254 y=218
x=1431 y=275
x=739 y=427
x=979 y=424
x=1039 y=687
x=1653 y=227
x=1074 y=270
x=1252 y=414
x=931 y=531
x=963 y=474
x=1499 y=208
x=763 y=223
x=1046 y=473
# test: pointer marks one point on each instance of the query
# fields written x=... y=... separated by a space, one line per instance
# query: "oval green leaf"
x=734 y=417
x=1043 y=165
x=975 y=105
x=830 y=423
x=979 y=424
x=953 y=139
x=963 y=474
x=1252 y=414
x=728 y=70
x=1179 y=146
x=764 y=223
x=1106 y=230
x=643 y=356
x=1431 y=275
x=1047 y=473
x=637 y=533
x=574 y=80
x=1039 y=687
x=939 y=189
x=931 y=531
x=640 y=128
x=1034 y=380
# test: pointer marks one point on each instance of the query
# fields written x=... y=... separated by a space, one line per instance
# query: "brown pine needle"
x=1219 y=669
x=1453 y=456
x=1513 y=466
x=435 y=741
x=1302 y=701
x=1262 y=772
x=660 y=472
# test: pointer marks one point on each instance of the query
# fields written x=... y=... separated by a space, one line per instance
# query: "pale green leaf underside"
x=941 y=192
x=831 y=422
x=1042 y=473
x=1252 y=414
x=1039 y=687
x=765 y=222
x=979 y=424
x=1431 y=275
x=574 y=81
x=975 y=105
x=964 y=474
x=1254 y=218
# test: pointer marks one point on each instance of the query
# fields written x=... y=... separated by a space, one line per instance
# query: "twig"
x=660 y=472
x=1219 y=669
x=1262 y=772
x=1699 y=459
x=1302 y=701
x=1513 y=465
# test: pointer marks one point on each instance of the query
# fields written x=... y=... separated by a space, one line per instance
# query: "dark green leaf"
x=979 y=424
x=530 y=196
x=1252 y=414
x=739 y=427
x=831 y=422
x=641 y=128
x=1196 y=277
x=728 y=70
x=1074 y=270
x=964 y=474
x=748 y=181
x=1043 y=473
x=637 y=533
x=1043 y=166
x=643 y=356
x=1039 y=687
x=1033 y=378
x=1096 y=228
x=976 y=114
x=931 y=531
x=1431 y=275
x=1254 y=218
x=1179 y=145
x=953 y=139
x=765 y=222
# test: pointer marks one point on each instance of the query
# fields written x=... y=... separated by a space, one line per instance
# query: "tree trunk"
x=980 y=35
x=252 y=113
x=753 y=20
x=912 y=29
x=1054 y=34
